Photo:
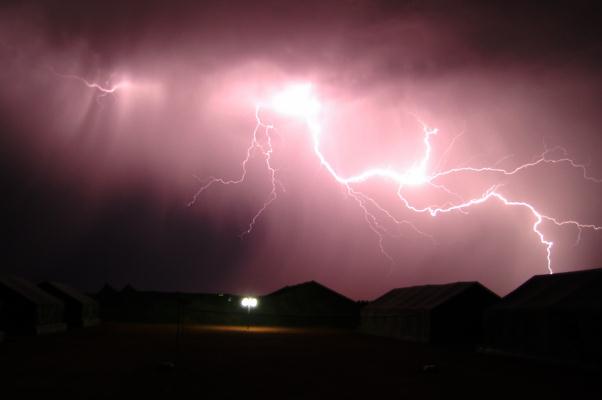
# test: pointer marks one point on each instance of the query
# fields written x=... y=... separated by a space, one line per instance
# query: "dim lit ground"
x=121 y=360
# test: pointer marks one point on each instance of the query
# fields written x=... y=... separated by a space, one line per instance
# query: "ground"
x=149 y=361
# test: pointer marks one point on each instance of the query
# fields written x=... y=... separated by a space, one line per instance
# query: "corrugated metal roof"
x=28 y=290
x=424 y=297
x=69 y=292
x=568 y=289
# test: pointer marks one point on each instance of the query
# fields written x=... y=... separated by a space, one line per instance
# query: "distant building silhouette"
x=308 y=303
x=551 y=316
x=128 y=289
x=1 y=333
x=107 y=290
x=28 y=309
x=305 y=304
x=130 y=305
x=450 y=313
x=80 y=310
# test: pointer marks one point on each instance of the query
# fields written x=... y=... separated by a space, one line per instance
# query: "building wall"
x=414 y=326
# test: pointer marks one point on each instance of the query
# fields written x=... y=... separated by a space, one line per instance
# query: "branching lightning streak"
x=300 y=103
x=104 y=90
x=264 y=147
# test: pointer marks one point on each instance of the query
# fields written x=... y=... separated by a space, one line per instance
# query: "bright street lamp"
x=249 y=302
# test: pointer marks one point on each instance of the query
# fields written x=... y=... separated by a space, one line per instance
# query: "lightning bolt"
x=262 y=144
x=298 y=102
x=104 y=90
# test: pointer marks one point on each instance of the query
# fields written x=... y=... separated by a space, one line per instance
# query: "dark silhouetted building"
x=107 y=290
x=305 y=304
x=555 y=316
x=128 y=290
x=308 y=303
x=28 y=309
x=80 y=310
x=450 y=313
x=130 y=305
x=1 y=333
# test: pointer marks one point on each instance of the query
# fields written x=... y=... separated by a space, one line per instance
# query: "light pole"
x=249 y=302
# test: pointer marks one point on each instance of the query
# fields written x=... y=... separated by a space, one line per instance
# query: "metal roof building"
x=449 y=313
x=555 y=316
x=28 y=309
x=80 y=310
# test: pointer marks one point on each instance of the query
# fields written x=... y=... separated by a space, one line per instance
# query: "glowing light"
x=249 y=302
x=296 y=101
x=299 y=101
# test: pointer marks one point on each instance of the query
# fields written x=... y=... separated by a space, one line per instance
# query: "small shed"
x=449 y=313
x=28 y=309
x=80 y=310
x=555 y=316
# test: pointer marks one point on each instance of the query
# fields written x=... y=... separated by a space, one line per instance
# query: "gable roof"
x=567 y=289
x=68 y=291
x=308 y=287
x=28 y=290
x=307 y=298
x=420 y=298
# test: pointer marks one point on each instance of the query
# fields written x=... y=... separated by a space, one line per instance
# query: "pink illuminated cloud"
x=356 y=149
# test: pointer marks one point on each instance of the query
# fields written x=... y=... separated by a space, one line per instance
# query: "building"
x=555 y=316
x=27 y=309
x=1 y=333
x=450 y=313
x=305 y=304
x=308 y=303
x=80 y=310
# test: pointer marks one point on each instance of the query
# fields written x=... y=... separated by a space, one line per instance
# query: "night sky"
x=96 y=186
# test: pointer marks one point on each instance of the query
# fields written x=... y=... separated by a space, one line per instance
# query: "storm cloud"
x=97 y=186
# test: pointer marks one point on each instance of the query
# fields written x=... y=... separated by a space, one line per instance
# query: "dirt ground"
x=126 y=360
